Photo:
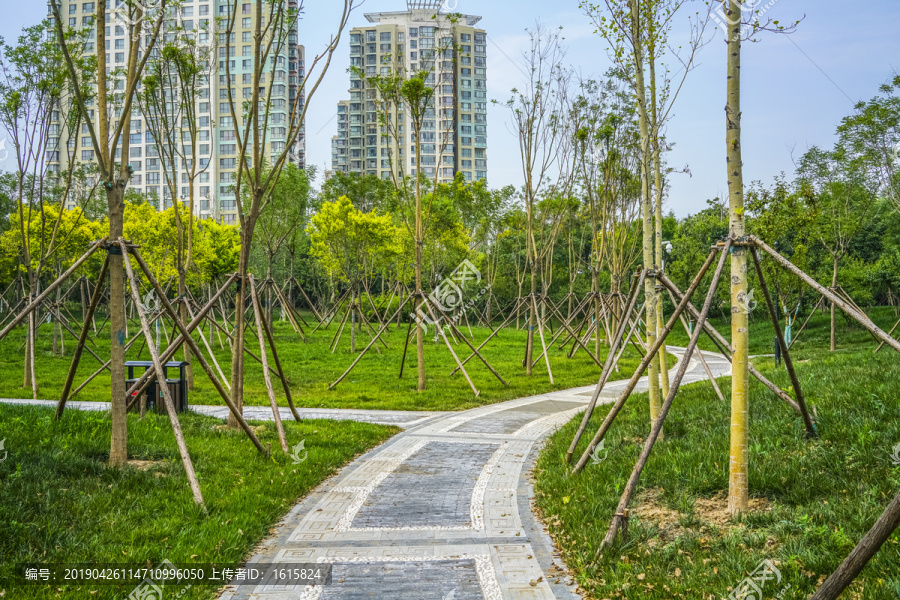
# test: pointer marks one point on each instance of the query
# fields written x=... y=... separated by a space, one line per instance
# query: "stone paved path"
x=398 y=418
x=441 y=511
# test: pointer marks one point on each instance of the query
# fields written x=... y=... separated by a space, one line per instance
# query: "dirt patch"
x=146 y=465
x=715 y=510
x=256 y=429
x=709 y=511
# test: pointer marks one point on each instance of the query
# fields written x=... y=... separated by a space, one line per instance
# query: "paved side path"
x=440 y=512
x=398 y=418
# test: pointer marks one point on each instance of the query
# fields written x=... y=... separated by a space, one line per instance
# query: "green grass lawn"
x=311 y=367
x=60 y=503
x=814 y=498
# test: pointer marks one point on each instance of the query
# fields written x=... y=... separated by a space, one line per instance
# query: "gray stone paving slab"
x=512 y=420
x=432 y=487
x=356 y=581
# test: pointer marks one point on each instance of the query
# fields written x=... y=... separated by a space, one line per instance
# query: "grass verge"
x=814 y=499
x=60 y=503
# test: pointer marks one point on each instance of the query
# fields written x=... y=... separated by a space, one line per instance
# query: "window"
x=204 y=10
x=245 y=23
x=227 y=163
x=152 y=178
x=187 y=11
x=465 y=37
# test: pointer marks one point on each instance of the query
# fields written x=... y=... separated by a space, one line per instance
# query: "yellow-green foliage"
x=351 y=244
x=216 y=246
x=73 y=238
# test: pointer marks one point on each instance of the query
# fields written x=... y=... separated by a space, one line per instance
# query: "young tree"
x=537 y=120
x=742 y=22
x=177 y=79
x=115 y=91
x=259 y=163
x=844 y=205
x=351 y=246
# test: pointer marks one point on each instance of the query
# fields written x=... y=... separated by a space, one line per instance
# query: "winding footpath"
x=442 y=511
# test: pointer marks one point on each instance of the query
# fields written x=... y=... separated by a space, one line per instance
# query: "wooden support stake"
x=788 y=361
x=859 y=316
x=621 y=516
x=161 y=379
x=276 y=413
x=645 y=362
x=607 y=369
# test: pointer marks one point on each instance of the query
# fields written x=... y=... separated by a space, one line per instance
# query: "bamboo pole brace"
x=607 y=369
x=161 y=378
x=840 y=303
x=725 y=348
x=788 y=361
x=37 y=301
x=655 y=431
x=645 y=362
x=85 y=330
x=199 y=355
x=276 y=413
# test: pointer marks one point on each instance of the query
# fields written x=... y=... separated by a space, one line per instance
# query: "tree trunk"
x=237 y=348
x=118 y=449
x=834 y=277
x=420 y=296
x=658 y=187
x=646 y=207
x=738 y=480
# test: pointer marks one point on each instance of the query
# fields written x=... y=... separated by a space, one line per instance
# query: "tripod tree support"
x=161 y=378
x=645 y=362
x=621 y=517
x=185 y=333
x=607 y=369
x=725 y=347
x=265 y=360
x=372 y=343
x=788 y=362
x=141 y=384
x=43 y=296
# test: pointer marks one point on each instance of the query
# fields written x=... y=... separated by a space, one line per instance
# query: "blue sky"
x=797 y=88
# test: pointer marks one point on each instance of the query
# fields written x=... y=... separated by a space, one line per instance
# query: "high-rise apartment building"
x=454 y=137
x=217 y=145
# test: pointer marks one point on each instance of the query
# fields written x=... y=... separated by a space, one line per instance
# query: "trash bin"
x=154 y=399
